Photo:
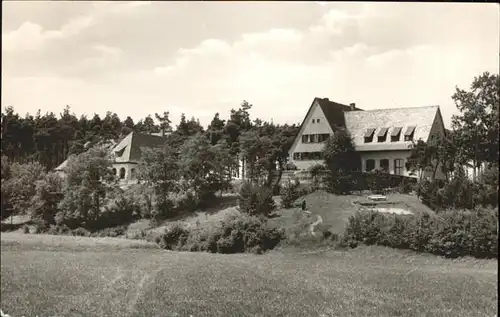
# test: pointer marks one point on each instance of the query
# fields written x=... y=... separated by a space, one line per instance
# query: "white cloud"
x=30 y=36
x=107 y=50
x=372 y=56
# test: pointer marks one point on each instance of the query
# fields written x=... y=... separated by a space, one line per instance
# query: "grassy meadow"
x=73 y=276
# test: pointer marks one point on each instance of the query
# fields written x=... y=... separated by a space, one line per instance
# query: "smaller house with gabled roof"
x=127 y=153
x=383 y=137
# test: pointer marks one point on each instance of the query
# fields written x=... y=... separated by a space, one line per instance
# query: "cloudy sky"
x=138 y=58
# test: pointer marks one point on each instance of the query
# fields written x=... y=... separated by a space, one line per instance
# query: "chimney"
x=352 y=106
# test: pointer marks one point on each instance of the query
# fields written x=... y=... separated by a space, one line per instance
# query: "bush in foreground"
x=451 y=233
x=256 y=200
x=290 y=193
x=235 y=234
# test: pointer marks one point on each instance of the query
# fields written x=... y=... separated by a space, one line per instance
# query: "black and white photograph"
x=249 y=158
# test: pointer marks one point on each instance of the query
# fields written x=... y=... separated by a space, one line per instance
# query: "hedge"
x=452 y=233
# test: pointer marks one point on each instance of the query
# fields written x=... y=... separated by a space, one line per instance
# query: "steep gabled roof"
x=422 y=118
x=129 y=149
x=333 y=111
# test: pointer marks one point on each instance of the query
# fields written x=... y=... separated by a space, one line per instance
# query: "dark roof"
x=129 y=149
x=369 y=132
x=396 y=131
x=382 y=132
x=409 y=130
x=334 y=111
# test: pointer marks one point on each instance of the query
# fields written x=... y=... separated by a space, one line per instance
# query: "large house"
x=382 y=137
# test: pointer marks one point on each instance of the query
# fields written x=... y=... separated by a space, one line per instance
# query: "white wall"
x=128 y=170
x=390 y=155
x=321 y=127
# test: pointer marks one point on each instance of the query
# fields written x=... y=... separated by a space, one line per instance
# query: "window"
x=323 y=137
x=410 y=131
x=296 y=156
x=122 y=173
x=314 y=121
x=315 y=138
x=114 y=171
x=369 y=135
x=317 y=155
x=398 y=166
x=382 y=135
x=132 y=173
x=396 y=134
x=384 y=165
x=370 y=165
x=317 y=120
x=305 y=138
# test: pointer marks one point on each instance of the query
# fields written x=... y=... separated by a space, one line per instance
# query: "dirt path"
x=314 y=224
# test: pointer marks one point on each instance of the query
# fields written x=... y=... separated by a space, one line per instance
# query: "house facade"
x=382 y=137
x=127 y=153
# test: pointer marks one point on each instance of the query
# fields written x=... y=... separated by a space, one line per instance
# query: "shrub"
x=326 y=232
x=450 y=233
x=291 y=192
x=165 y=208
x=143 y=196
x=140 y=235
x=458 y=193
x=112 y=232
x=81 y=232
x=256 y=200
x=174 y=237
x=188 y=202
x=235 y=234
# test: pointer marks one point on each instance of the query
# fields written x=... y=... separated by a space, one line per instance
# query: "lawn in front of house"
x=76 y=278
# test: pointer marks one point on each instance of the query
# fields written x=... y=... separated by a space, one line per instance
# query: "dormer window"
x=369 y=135
x=382 y=135
x=120 y=152
x=409 y=133
x=396 y=134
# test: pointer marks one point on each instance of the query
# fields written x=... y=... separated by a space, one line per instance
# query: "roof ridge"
x=399 y=108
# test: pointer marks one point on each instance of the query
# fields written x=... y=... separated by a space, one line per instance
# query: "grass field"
x=336 y=210
x=71 y=276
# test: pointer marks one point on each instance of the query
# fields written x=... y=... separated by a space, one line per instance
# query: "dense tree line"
x=197 y=162
x=194 y=163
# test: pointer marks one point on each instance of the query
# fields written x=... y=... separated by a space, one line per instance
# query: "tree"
x=439 y=152
x=206 y=166
x=164 y=121
x=111 y=126
x=89 y=178
x=20 y=187
x=149 y=126
x=477 y=126
x=44 y=204
x=159 y=168
x=188 y=128
x=215 y=129
x=341 y=160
